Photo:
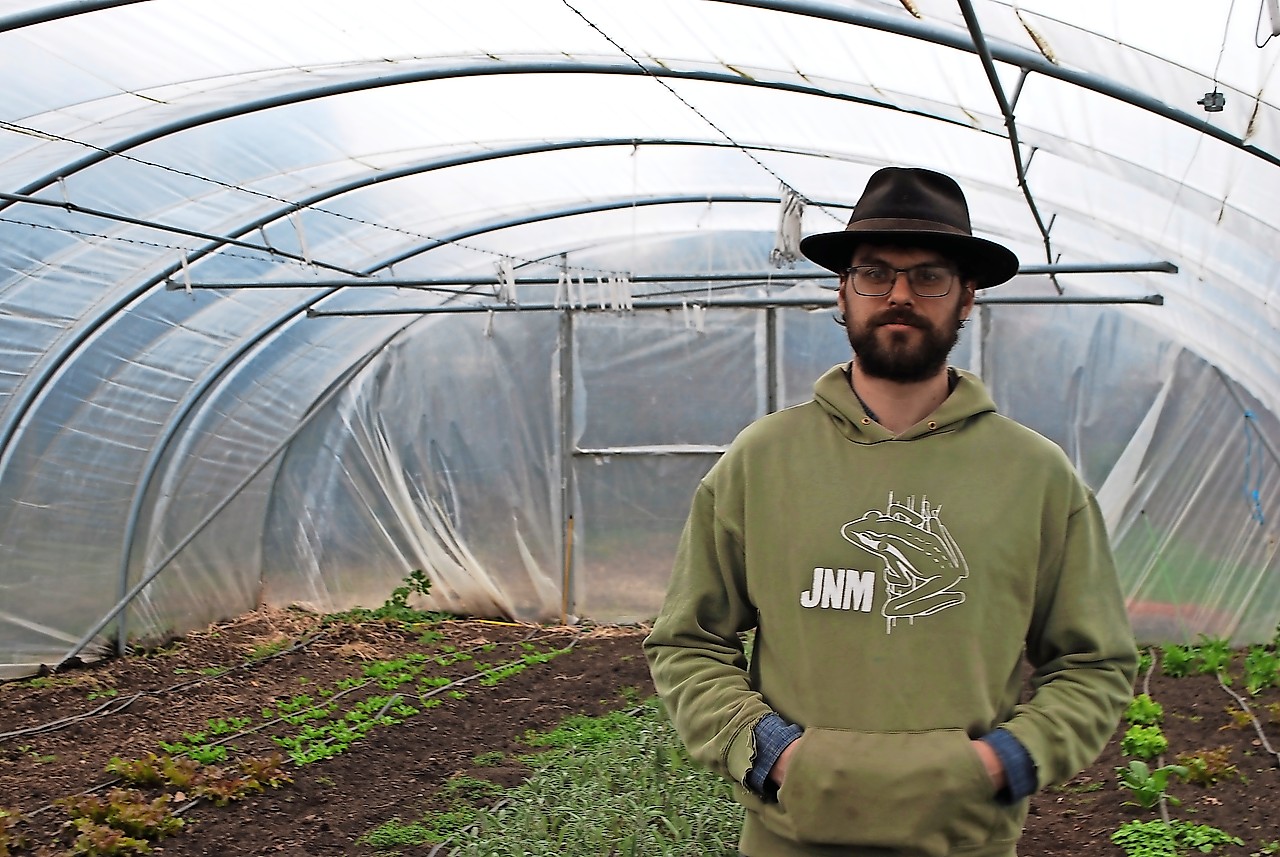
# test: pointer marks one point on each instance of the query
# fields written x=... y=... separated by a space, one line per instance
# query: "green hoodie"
x=895 y=584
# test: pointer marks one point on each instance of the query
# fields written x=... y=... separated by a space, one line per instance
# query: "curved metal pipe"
x=72 y=208
x=1020 y=57
x=196 y=394
x=142 y=584
x=61 y=10
x=572 y=211
x=1010 y=124
x=102 y=153
x=32 y=388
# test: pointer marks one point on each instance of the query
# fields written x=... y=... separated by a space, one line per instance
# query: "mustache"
x=899 y=316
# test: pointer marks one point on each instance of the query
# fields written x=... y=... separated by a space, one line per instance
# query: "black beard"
x=897 y=360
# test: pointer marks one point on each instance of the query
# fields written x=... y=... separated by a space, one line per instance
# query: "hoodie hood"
x=834 y=394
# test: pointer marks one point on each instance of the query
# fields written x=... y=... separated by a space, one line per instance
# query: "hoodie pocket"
x=926 y=792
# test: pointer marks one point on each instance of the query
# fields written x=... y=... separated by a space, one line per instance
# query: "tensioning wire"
x=704 y=117
x=293 y=205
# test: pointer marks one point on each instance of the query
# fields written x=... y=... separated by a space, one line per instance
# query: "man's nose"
x=901 y=291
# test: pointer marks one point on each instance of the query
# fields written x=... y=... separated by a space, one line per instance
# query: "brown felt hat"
x=919 y=208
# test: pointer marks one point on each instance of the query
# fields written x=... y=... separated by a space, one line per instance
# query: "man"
x=898 y=547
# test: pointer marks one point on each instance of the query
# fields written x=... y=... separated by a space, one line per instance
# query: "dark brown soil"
x=57 y=735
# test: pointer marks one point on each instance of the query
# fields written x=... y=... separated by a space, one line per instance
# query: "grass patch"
x=617 y=784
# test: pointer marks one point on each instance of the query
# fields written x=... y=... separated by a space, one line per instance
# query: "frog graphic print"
x=922 y=568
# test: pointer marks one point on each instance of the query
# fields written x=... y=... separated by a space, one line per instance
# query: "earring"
x=838 y=318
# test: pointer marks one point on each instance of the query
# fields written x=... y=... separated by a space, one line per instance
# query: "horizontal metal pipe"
x=810 y=302
x=1152 y=300
x=1155 y=267
x=656 y=449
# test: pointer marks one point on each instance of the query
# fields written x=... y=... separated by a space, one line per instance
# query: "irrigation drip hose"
x=1146 y=688
x=1240 y=700
x=194 y=801
x=1146 y=679
x=62 y=723
x=1257 y=727
x=121 y=705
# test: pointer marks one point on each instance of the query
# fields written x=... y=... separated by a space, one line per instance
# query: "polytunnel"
x=298 y=297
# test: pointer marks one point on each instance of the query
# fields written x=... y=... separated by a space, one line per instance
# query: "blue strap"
x=1252 y=478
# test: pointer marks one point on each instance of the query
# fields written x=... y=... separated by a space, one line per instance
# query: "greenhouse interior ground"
x=296 y=298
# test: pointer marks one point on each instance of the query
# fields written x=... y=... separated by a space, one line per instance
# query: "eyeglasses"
x=876 y=281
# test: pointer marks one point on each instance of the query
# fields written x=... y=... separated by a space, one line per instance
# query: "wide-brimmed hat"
x=919 y=208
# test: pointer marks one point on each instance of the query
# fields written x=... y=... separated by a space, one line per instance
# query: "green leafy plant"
x=1213 y=655
x=265 y=770
x=209 y=754
x=1176 y=660
x=103 y=839
x=39 y=758
x=1207 y=767
x=1204 y=838
x=1261 y=669
x=228 y=725
x=1169 y=839
x=391 y=674
x=1145 y=660
x=1144 y=710
x=317 y=741
x=221 y=787
x=504 y=671
x=126 y=810
x=196 y=745
x=396 y=608
x=146 y=771
x=181 y=772
x=1149 y=786
x=253 y=774
x=1144 y=742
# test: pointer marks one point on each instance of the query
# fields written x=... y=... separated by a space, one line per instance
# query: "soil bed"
x=476 y=729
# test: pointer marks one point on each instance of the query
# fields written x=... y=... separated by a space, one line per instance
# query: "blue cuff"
x=773 y=735
x=1019 y=768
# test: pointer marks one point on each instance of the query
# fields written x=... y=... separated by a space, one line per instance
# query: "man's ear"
x=966 y=300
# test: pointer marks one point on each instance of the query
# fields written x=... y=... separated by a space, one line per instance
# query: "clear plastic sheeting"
x=255 y=348
x=1170 y=529
x=396 y=476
